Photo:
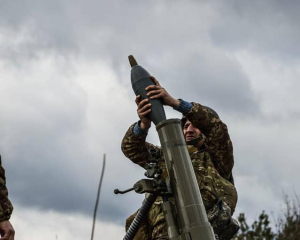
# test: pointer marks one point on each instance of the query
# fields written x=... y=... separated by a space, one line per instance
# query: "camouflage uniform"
x=6 y=207
x=213 y=163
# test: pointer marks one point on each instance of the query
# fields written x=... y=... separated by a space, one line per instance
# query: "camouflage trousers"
x=154 y=226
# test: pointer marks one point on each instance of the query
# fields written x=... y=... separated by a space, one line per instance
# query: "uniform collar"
x=192 y=149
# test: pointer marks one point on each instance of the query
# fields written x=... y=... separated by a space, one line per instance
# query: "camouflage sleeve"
x=137 y=149
x=6 y=207
x=217 y=139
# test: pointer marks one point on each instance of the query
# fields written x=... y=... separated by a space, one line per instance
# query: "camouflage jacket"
x=6 y=207
x=212 y=163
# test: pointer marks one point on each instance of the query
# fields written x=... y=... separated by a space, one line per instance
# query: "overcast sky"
x=66 y=99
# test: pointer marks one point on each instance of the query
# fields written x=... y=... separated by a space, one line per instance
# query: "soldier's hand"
x=144 y=108
x=7 y=231
x=157 y=91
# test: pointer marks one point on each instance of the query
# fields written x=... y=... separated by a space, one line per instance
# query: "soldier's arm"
x=217 y=139
x=6 y=207
x=135 y=147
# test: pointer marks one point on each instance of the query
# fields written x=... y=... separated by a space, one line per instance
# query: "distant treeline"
x=287 y=224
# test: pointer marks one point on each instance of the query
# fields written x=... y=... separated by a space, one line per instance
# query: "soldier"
x=211 y=153
x=6 y=230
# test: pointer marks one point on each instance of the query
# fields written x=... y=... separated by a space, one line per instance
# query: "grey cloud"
x=47 y=22
x=114 y=31
x=264 y=159
x=214 y=80
x=257 y=26
x=51 y=153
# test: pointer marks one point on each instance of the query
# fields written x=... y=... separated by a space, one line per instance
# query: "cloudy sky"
x=66 y=99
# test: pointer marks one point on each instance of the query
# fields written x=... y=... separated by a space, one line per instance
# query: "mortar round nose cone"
x=132 y=61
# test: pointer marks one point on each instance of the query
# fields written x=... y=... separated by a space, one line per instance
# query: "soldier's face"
x=190 y=132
